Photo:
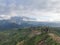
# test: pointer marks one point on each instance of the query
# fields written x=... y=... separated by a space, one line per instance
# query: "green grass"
x=12 y=37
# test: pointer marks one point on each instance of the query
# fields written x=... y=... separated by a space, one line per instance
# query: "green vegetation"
x=28 y=36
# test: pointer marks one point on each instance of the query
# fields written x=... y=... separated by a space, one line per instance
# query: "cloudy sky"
x=42 y=10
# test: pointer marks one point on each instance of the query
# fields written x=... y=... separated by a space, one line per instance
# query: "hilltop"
x=30 y=36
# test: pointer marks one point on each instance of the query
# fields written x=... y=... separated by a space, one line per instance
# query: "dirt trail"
x=55 y=37
x=20 y=43
x=42 y=42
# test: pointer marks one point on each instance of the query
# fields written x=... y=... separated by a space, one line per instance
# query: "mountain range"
x=19 y=22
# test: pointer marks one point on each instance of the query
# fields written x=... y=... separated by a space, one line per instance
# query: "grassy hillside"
x=29 y=36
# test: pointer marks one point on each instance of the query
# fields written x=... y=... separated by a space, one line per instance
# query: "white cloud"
x=42 y=10
x=4 y=17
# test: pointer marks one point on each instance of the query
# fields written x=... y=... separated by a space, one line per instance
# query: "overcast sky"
x=42 y=10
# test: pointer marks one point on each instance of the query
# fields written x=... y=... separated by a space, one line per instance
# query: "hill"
x=29 y=36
